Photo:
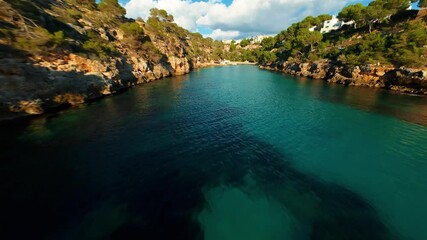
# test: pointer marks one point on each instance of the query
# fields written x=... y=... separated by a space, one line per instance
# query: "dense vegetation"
x=38 y=32
x=384 y=32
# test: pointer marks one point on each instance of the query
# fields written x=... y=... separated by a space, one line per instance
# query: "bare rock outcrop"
x=412 y=81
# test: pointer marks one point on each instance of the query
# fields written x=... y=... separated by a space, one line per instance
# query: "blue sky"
x=226 y=2
x=236 y=19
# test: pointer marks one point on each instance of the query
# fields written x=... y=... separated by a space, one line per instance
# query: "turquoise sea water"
x=223 y=153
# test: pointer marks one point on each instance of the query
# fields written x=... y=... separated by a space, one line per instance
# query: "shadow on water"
x=328 y=210
x=157 y=196
x=411 y=108
x=158 y=191
x=405 y=107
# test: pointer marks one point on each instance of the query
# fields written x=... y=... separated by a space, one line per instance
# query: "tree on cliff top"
x=376 y=12
x=268 y=43
x=112 y=7
x=353 y=12
x=311 y=21
x=396 y=5
x=245 y=42
x=161 y=15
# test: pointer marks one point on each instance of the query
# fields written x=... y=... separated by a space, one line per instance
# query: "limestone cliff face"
x=398 y=79
x=34 y=82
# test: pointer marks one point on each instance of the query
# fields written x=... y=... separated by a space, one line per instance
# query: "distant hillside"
x=386 y=38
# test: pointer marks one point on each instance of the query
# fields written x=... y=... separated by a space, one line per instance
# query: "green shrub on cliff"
x=409 y=47
x=111 y=8
x=372 y=49
x=160 y=20
x=39 y=41
x=91 y=4
x=161 y=15
x=353 y=13
x=404 y=48
x=133 y=33
x=40 y=38
x=97 y=47
x=58 y=38
x=132 y=29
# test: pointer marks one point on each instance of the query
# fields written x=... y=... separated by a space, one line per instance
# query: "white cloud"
x=185 y=12
x=223 y=35
x=240 y=19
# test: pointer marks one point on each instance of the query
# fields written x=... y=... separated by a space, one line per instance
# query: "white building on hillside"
x=231 y=41
x=335 y=24
x=331 y=25
x=259 y=38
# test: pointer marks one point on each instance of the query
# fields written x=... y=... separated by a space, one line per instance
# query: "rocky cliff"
x=376 y=76
x=56 y=53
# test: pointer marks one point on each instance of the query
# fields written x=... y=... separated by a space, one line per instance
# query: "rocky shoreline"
x=57 y=54
x=35 y=85
x=405 y=80
x=31 y=87
x=39 y=79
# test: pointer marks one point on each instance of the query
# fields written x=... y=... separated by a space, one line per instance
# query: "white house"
x=331 y=25
x=335 y=24
x=259 y=38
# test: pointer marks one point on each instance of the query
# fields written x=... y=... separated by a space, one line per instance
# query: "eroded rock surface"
x=412 y=81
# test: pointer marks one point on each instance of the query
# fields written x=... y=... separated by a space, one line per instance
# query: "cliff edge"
x=56 y=53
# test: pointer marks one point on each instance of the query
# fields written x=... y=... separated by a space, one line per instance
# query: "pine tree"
x=112 y=7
